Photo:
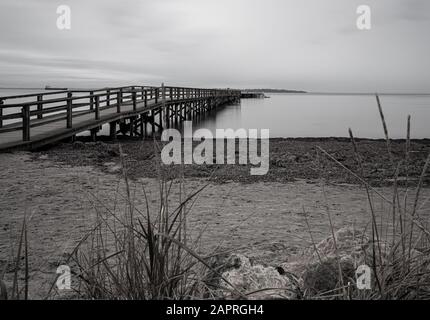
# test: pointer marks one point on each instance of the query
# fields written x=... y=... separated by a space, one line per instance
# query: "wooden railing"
x=42 y=108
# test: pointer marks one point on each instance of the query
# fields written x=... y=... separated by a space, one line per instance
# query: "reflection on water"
x=304 y=115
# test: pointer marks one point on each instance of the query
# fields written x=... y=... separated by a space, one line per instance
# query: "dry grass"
x=145 y=255
x=399 y=260
x=19 y=288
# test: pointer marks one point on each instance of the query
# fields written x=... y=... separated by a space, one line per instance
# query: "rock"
x=313 y=272
x=348 y=242
x=319 y=272
x=249 y=279
x=321 y=277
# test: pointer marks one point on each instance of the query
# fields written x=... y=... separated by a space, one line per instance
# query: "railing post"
x=171 y=93
x=156 y=95
x=133 y=97
x=25 y=122
x=69 y=110
x=120 y=95
x=118 y=102
x=39 y=106
x=91 y=100
x=97 y=113
x=145 y=97
x=107 y=98
x=1 y=113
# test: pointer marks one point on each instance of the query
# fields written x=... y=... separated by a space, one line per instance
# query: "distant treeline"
x=274 y=90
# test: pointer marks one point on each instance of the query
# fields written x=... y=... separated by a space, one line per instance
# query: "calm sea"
x=318 y=115
x=310 y=115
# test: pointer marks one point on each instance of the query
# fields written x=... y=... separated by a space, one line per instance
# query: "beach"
x=62 y=191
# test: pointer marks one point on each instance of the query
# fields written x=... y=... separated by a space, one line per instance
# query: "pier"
x=49 y=117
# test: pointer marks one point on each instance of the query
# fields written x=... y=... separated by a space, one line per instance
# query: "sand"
x=264 y=220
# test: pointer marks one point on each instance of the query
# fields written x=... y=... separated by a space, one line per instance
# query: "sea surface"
x=317 y=115
x=326 y=115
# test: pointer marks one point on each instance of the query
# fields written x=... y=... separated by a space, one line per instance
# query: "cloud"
x=309 y=44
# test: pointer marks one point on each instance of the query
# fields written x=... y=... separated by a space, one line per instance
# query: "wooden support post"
x=166 y=117
x=97 y=111
x=145 y=98
x=161 y=118
x=142 y=133
x=25 y=123
x=69 y=110
x=152 y=122
x=112 y=130
x=145 y=129
x=156 y=95
x=188 y=110
x=121 y=96
x=94 y=134
x=164 y=108
x=131 y=127
x=39 y=106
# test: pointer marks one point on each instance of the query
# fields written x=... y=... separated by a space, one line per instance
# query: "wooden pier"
x=49 y=117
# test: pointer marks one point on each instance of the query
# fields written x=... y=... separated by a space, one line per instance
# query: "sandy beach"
x=61 y=191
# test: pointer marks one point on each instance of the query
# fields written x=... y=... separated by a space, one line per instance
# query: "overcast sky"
x=295 y=44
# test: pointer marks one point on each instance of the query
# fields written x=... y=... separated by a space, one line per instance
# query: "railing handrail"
x=107 y=91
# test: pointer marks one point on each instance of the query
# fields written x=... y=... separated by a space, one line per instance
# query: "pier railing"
x=22 y=112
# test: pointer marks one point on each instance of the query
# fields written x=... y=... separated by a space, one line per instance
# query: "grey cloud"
x=307 y=44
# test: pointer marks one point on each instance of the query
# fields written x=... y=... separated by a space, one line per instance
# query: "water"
x=308 y=115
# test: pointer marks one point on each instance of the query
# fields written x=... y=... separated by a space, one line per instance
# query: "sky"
x=311 y=45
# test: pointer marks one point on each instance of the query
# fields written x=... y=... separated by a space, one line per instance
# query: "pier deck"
x=54 y=116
